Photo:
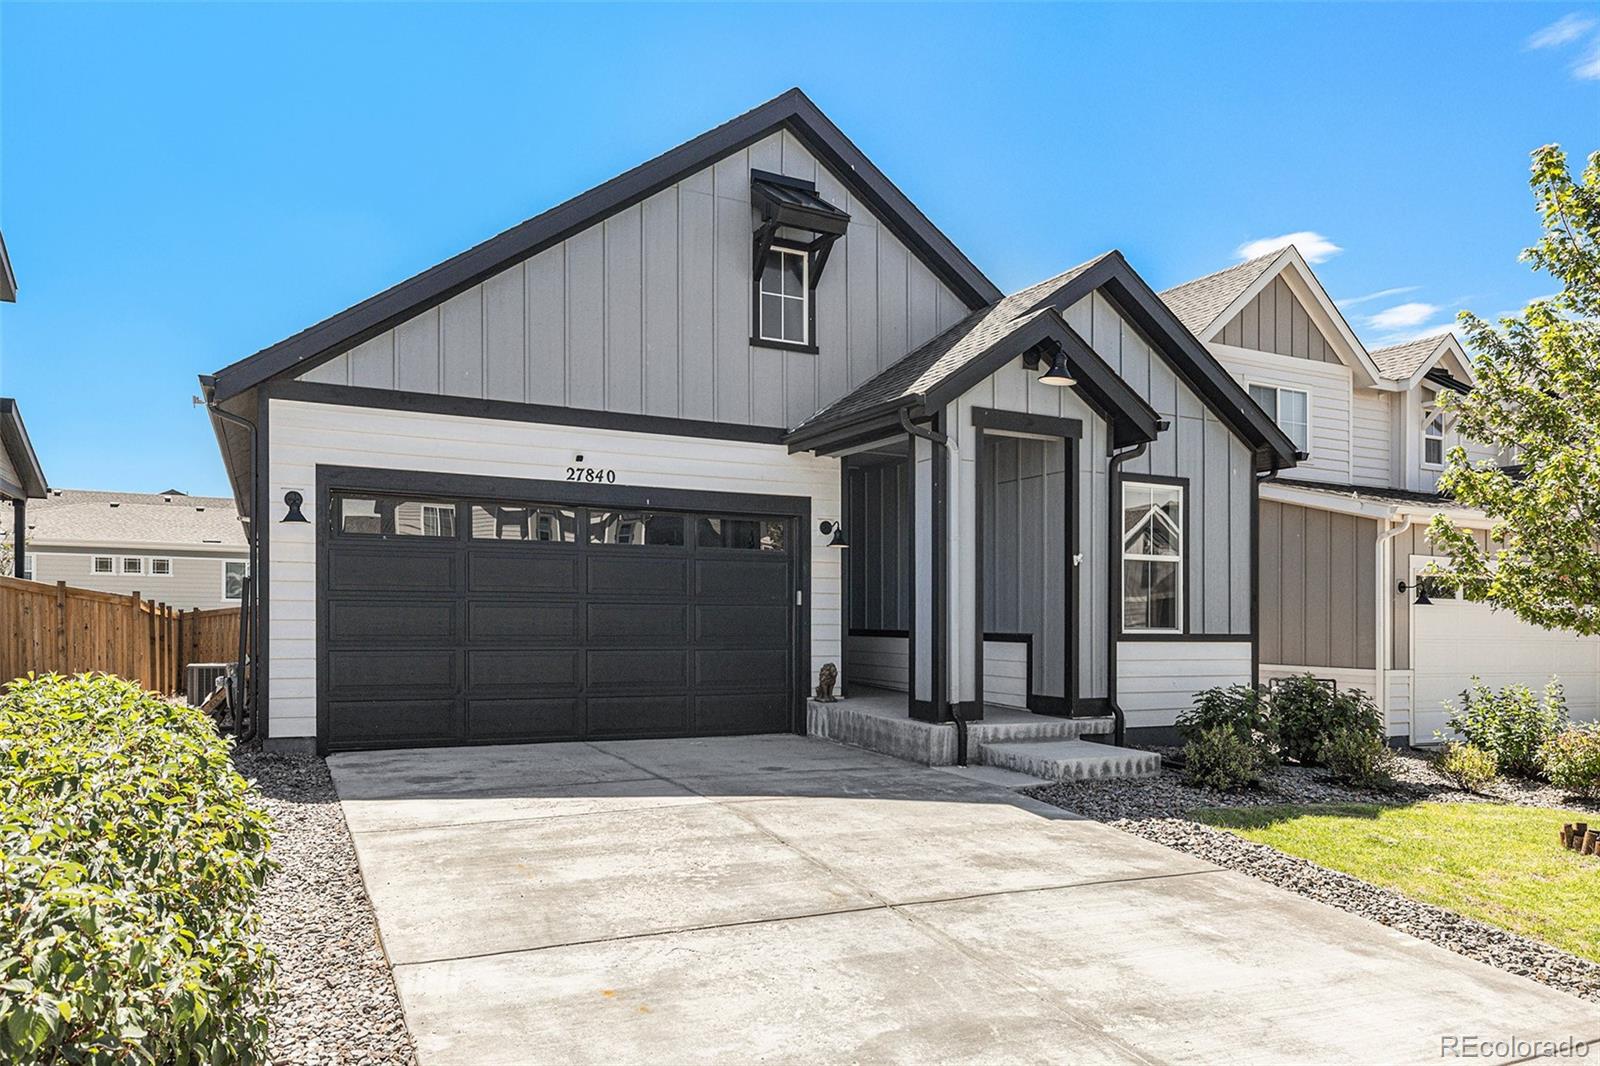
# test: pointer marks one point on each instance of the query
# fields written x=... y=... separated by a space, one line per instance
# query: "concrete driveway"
x=785 y=899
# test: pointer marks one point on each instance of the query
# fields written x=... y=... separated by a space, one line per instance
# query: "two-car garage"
x=583 y=612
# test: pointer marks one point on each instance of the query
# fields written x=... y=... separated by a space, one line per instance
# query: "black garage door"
x=458 y=621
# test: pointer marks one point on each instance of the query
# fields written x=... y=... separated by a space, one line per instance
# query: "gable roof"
x=8 y=280
x=19 y=449
x=792 y=110
x=955 y=360
x=1202 y=301
x=1411 y=361
x=134 y=520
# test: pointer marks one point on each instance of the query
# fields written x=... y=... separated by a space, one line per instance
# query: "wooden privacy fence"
x=57 y=629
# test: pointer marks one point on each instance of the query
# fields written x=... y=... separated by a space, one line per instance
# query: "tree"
x=1537 y=400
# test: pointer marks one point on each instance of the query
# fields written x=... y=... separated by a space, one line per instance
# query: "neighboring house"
x=1343 y=539
x=184 y=551
x=582 y=479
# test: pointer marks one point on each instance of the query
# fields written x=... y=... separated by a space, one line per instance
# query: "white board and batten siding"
x=1328 y=392
x=1157 y=679
x=649 y=312
x=302 y=435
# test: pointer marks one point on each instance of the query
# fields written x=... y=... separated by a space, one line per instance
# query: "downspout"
x=1383 y=568
x=940 y=684
x=1113 y=597
x=248 y=652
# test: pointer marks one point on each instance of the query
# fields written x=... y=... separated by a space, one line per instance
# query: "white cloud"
x=1588 y=68
x=1564 y=30
x=1351 y=301
x=1314 y=246
x=1402 y=316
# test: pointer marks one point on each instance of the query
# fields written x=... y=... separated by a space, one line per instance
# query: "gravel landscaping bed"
x=337 y=1002
x=1157 y=810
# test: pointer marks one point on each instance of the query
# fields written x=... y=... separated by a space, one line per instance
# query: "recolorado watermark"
x=1501 y=1048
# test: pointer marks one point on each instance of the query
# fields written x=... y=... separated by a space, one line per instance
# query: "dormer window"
x=787 y=267
x=1290 y=408
x=785 y=307
x=1433 y=440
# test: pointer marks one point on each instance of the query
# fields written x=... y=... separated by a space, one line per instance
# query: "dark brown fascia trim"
x=14 y=438
x=509 y=411
x=1198 y=368
x=437 y=284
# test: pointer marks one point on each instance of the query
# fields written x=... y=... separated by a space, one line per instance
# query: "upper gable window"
x=1290 y=408
x=1433 y=440
x=783 y=299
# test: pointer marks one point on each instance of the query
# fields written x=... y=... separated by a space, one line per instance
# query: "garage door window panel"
x=742 y=534
x=396 y=516
x=525 y=523
x=636 y=529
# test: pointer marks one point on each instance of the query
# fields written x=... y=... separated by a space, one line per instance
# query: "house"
x=645 y=463
x=1343 y=536
x=21 y=479
x=184 y=551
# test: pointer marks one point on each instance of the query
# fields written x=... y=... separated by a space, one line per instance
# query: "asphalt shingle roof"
x=925 y=367
x=1400 y=361
x=1197 y=303
x=1375 y=493
x=129 y=518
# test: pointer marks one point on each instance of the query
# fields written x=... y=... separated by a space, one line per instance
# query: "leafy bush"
x=1306 y=714
x=1357 y=756
x=1219 y=758
x=131 y=857
x=1468 y=766
x=1572 y=759
x=1512 y=724
x=1236 y=707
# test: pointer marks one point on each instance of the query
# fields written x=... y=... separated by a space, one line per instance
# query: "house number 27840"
x=594 y=475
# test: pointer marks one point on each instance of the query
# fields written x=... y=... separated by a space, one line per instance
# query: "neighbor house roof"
x=134 y=519
x=8 y=280
x=1197 y=303
x=938 y=371
x=1401 y=361
x=792 y=110
x=20 y=458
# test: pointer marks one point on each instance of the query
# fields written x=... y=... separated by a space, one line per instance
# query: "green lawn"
x=1500 y=864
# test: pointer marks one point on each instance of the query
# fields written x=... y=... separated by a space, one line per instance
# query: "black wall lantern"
x=293 y=500
x=1057 y=373
x=835 y=531
x=1422 y=599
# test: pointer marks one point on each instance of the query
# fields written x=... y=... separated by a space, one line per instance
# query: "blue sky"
x=183 y=185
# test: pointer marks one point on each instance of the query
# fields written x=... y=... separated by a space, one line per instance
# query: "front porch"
x=1038 y=745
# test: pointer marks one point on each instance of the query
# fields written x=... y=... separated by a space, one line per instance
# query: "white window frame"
x=1181 y=559
x=225 y=564
x=29 y=567
x=436 y=512
x=1433 y=417
x=804 y=299
x=109 y=560
x=1277 y=391
x=150 y=565
x=122 y=566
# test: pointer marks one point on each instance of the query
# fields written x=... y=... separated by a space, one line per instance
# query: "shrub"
x=1306 y=714
x=1512 y=724
x=1236 y=707
x=1572 y=759
x=1357 y=756
x=131 y=856
x=1468 y=766
x=1219 y=758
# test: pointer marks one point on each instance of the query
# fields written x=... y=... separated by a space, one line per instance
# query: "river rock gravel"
x=1158 y=809
x=336 y=998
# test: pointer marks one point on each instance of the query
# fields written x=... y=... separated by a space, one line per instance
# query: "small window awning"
x=793 y=203
x=1443 y=378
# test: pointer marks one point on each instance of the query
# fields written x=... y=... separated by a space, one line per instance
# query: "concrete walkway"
x=784 y=899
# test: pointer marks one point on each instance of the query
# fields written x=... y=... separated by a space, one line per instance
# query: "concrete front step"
x=1002 y=725
x=1070 y=760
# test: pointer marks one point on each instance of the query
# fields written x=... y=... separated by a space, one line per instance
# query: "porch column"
x=19 y=535
x=925 y=648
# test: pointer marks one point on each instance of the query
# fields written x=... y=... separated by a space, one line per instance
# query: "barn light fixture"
x=1058 y=374
x=834 y=530
x=1422 y=599
x=292 y=500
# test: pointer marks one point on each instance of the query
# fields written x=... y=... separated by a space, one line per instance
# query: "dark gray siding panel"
x=1024 y=489
x=880 y=545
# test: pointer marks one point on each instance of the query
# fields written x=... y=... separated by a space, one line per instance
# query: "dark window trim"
x=511 y=411
x=1124 y=633
x=756 y=339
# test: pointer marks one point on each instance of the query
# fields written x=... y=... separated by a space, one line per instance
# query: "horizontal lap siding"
x=883 y=662
x=303 y=435
x=1371 y=447
x=1157 y=680
x=1328 y=386
x=649 y=312
x=195 y=581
